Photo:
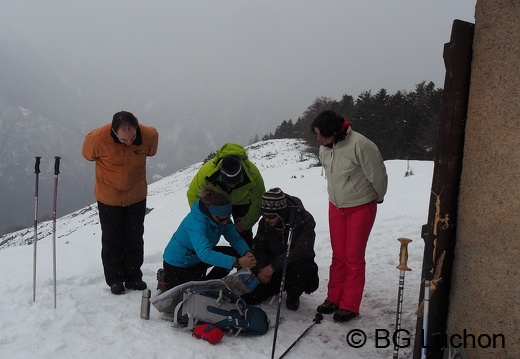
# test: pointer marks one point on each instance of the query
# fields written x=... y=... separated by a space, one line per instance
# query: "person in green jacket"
x=231 y=172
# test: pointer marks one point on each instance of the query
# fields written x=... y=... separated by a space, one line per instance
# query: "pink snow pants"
x=349 y=230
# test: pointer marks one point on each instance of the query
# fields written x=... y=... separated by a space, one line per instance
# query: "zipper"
x=332 y=177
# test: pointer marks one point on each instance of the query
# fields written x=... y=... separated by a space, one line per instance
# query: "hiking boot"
x=160 y=275
x=343 y=315
x=117 y=288
x=327 y=307
x=162 y=286
x=292 y=302
x=136 y=285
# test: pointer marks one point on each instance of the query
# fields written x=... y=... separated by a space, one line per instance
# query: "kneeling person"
x=270 y=249
x=193 y=247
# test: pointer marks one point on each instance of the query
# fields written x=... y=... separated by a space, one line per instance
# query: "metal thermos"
x=145 y=304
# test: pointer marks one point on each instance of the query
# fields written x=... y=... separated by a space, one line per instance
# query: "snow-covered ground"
x=90 y=322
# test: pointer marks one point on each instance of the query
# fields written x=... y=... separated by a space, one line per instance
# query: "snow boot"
x=343 y=315
x=161 y=284
x=327 y=307
x=292 y=302
x=136 y=285
x=117 y=288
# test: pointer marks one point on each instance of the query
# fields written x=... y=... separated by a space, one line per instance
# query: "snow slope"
x=90 y=322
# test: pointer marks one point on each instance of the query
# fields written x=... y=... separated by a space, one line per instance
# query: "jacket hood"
x=230 y=149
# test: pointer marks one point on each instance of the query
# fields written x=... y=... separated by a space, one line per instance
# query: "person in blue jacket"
x=193 y=247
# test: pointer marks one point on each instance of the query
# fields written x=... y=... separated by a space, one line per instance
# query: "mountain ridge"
x=265 y=154
x=46 y=110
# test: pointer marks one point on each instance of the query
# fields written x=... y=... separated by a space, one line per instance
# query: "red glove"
x=208 y=332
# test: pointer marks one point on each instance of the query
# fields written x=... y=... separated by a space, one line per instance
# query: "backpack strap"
x=220 y=297
x=231 y=322
x=177 y=310
x=235 y=319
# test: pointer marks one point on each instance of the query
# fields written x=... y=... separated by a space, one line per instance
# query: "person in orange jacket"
x=120 y=150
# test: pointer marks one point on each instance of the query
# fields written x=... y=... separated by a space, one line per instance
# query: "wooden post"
x=439 y=233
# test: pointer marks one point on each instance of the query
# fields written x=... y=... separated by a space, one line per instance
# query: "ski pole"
x=282 y=283
x=37 y=171
x=428 y=265
x=403 y=268
x=56 y=172
x=424 y=349
x=317 y=320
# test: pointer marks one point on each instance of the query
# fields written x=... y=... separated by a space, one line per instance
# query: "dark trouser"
x=174 y=276
x=122 y=241
x=301 y=276
x=240 y=211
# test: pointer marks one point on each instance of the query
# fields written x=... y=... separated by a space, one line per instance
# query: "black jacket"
x=270 y=244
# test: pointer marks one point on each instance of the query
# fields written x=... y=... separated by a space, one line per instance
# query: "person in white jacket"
x=356 y=183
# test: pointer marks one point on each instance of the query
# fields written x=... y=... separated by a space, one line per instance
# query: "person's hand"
x=247 y=261
x=265 y=274
x=238 y=225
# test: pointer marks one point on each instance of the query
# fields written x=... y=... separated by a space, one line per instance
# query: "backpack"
x=221 y=308
x=216 y=302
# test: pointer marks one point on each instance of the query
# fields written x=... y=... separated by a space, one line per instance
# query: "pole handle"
x=429 y=249
x=403 y=254
x=37 y=165
x=57 y=165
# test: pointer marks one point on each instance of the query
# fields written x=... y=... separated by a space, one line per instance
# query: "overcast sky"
x=223 y=54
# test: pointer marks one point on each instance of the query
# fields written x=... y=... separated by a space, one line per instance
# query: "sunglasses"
x=269 y=215
x=222 y=219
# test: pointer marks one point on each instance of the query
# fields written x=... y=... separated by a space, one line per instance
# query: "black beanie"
x=273 y=201
x=230 y=170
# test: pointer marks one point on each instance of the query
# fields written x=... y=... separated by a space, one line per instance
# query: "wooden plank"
x=440 y=231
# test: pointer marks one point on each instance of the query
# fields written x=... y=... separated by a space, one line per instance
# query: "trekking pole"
x=317 y=320
x=56 y=172
x=424 y=349
x=37 y=171
x=428 y=265
x=282 y=283
x=403 y=268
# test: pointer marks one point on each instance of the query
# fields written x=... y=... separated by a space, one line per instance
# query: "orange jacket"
x=120 y=169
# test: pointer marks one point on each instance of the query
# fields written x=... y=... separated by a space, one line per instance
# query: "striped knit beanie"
x=273 y=201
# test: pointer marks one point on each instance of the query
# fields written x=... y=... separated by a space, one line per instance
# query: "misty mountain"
x=289 y=154
x=46 y=109
x=37 y=103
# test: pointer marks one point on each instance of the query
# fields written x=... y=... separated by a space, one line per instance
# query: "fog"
x=202 y=72
x=238 y=60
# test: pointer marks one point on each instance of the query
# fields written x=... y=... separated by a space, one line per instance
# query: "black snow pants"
x=122 y=245
x=174 y=276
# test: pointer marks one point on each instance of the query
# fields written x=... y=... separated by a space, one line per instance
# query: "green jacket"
x=248 y=193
